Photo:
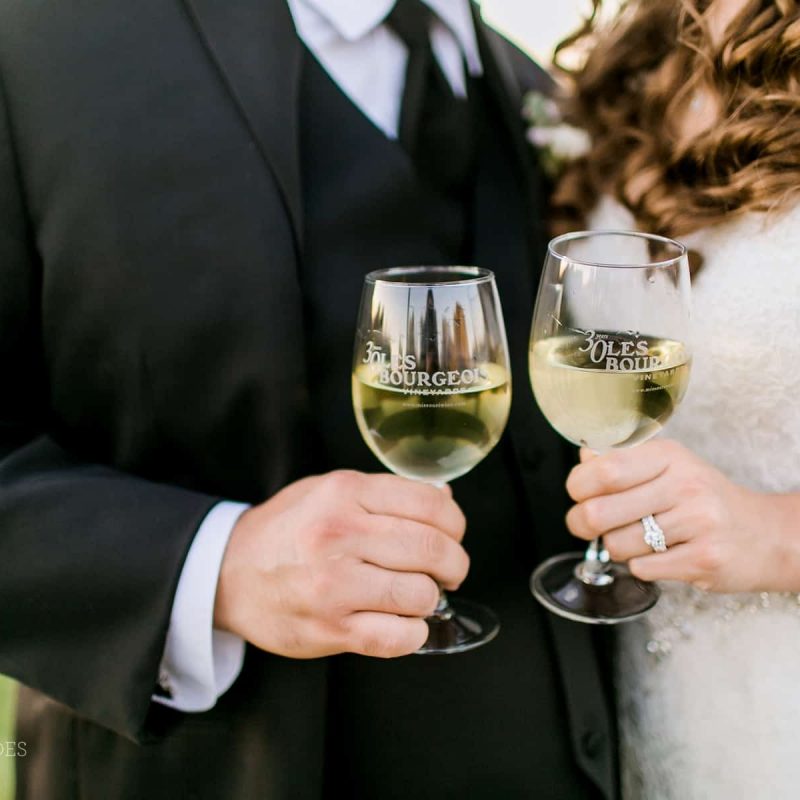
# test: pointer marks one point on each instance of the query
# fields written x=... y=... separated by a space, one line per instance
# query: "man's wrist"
x=200 y=663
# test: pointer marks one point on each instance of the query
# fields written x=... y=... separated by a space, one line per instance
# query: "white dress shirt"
x=346 y=35
x=368 y=62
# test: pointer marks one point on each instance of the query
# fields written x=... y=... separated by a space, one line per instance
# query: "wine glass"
x=431 y=393
x=609 y=363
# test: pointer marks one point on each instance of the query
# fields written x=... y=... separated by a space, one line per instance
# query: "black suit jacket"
x=150 y=337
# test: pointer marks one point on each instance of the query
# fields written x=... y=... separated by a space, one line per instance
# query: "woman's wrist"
x=778 y=518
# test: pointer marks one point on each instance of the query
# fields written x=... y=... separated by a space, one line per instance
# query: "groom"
x=190 y=194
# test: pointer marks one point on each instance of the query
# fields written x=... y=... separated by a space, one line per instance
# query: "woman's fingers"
x=628 y=542
x=684 y=562
x=603 y=514
x=715 y=531
x=619 y=470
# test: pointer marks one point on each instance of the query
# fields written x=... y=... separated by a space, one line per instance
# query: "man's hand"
x=343 y=562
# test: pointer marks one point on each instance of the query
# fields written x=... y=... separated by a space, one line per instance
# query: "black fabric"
x=155 y=358
x=502 y=726
x=583 y=652
x=364 y=208
x=437 y=130
x=436 y=127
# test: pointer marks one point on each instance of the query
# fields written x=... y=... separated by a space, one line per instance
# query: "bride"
x=693 y=108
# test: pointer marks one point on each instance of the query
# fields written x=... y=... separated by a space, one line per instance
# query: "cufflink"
x=164 y=685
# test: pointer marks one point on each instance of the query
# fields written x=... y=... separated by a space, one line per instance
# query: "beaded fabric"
x=709 y=685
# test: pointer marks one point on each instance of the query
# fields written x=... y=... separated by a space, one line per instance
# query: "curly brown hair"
x=633 y=90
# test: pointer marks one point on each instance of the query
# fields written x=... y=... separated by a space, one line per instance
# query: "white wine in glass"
x=431 y=392
x=432 y=437
x=600 y=407
x=609 y=363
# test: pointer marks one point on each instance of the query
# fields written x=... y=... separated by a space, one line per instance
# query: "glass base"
x=555 y=586
x=467 y=626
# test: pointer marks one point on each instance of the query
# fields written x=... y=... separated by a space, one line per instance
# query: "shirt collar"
x=457 y=15
x=354 y=19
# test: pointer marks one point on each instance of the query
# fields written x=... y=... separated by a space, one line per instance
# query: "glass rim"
x=476 y=275
x=653 y=237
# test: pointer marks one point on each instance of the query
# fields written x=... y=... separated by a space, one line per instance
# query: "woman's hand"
x=721 y=537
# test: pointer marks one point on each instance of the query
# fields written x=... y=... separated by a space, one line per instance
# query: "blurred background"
x=6 y=734
x=535 y=26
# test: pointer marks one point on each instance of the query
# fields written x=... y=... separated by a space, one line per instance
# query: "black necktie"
x=435 y=125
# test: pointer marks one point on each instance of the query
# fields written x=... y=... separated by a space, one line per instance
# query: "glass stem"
x=443 y=611
x=593 y=570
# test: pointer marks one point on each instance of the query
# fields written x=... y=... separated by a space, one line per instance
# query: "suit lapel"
x=256 y=50
x=538 y=450
x=502 y=80
x=527 y=430
x=494 y=43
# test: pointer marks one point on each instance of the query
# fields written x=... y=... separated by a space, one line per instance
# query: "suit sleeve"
x=89 y=556
x=201 y=663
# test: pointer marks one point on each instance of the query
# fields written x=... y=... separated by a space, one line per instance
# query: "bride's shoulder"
x=775 y=232
x=609 y=214
x=780 y=225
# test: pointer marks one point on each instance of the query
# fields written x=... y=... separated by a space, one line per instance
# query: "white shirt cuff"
x=201 y=663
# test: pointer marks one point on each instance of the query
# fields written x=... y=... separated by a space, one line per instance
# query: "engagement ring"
x=653 y=535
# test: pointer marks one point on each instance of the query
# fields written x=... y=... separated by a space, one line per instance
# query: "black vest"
x=504 y=729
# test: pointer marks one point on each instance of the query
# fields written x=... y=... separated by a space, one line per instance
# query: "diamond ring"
x=653 y=535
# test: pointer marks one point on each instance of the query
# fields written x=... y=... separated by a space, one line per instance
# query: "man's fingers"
x=407 y=594
x=390 y=495
x=345 y=585
x=619 y=470
x=384 y=635
x=408 y=546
